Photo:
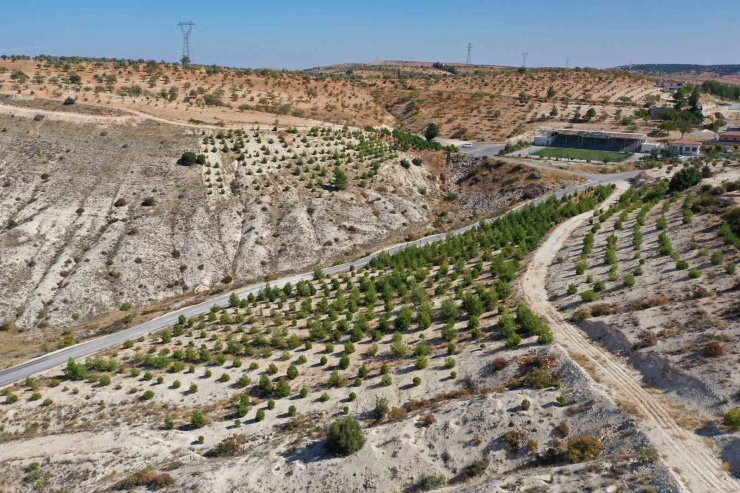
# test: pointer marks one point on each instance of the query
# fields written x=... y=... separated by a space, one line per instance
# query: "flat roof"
x=686 y=142
x=733 y=133
x=594 y=133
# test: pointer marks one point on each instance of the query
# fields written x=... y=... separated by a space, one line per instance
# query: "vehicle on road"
x=467 y=145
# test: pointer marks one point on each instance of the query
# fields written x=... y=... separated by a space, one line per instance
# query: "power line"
x=469 y=59
x=186 y=28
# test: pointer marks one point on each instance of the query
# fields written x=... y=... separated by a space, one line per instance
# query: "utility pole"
x=524 y=57
x=469 y=59
x=567 y=62
x=186 y=28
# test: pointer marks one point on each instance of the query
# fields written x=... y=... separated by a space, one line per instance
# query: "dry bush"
x=580 y=315
x=146 y=477
x=515 y=439
x=562 y=428
x=396 y=414
x=429 y=419
x=602 y=309
x=713 y=349
x=230 y=446
x=419 y=404
x=499 y=364
x=647 y=339
x=658 y=300
x=582 y=449
x=474 y=469
x=701 y=292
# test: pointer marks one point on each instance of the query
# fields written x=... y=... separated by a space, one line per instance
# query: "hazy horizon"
x=296 y=35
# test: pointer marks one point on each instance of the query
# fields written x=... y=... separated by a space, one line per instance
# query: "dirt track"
x=692 y=462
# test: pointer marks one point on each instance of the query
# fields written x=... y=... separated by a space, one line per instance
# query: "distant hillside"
x=681 y=69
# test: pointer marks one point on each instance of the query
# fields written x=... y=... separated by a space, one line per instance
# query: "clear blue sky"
x=300 y=34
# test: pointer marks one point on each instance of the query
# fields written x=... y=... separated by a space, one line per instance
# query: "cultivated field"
x=452 y=381
x=101 y=226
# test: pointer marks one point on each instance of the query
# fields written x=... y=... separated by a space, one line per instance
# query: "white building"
x=648 y=147
x=687 y=147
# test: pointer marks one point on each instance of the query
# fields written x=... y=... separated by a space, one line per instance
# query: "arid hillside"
x=439 y=376
x=481 y=103
x=495 y=103
x=103 y=224
x=212 y=95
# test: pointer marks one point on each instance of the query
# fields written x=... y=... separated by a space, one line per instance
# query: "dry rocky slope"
x=98 y=217
x=479 y=103
x=467 y=406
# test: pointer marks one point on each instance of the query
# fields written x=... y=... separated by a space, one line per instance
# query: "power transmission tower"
x=469 y=59
x=186 y=28
x=567 y=62
x=524 y=57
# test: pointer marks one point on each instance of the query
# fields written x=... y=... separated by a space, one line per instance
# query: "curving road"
x=57 y=358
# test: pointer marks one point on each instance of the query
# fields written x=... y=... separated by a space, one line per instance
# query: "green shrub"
x=197 y=420
x=344 y=437
x=682 y=265
x=260 y=416
x=188 y=159
x=417 y=381
x=694 y=273
x=525 y=405
x=732 y=419
x=717 y=258
x=730 y=268
x=431 y=482
x=588 y=296
x=629 y=280
x=381 y=407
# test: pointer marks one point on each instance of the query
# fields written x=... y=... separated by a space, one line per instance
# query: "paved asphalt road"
x=58 y=358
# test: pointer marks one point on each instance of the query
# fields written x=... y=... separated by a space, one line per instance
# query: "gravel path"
x=689 y=458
